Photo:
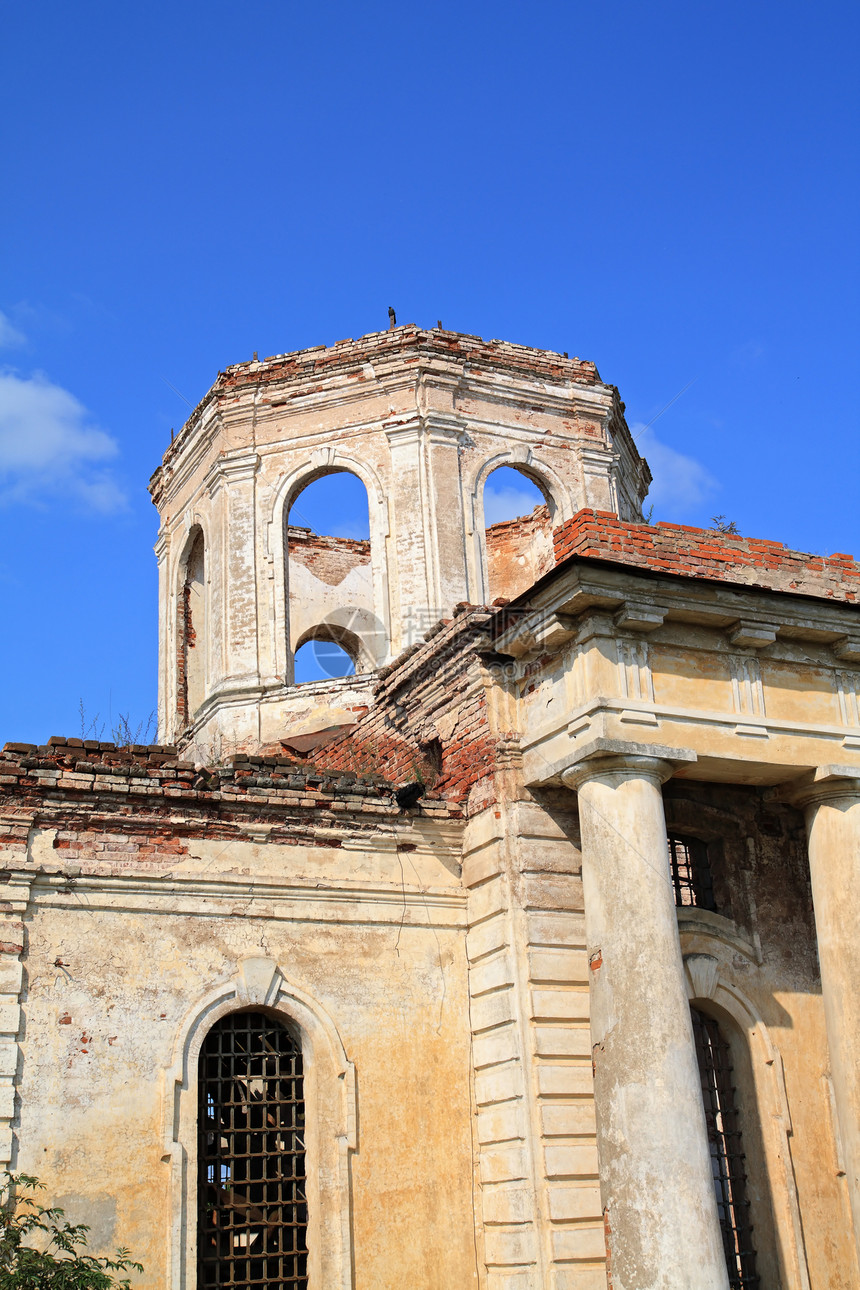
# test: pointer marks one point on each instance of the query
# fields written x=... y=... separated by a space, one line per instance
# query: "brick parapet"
x=707 y=554
x=62 y=779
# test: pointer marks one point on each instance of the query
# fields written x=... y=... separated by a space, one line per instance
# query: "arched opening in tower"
x=333 y=629
x=192 y=630
x=518 y=532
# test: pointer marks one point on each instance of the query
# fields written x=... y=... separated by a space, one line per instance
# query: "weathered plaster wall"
x=101 y=1033
x=331 y=596
x=148 y=885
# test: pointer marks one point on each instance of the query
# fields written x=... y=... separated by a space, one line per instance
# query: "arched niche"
x=511 y=554
x=357 y=603
x=192 y=627
x=712 y=989
x=331 y=1120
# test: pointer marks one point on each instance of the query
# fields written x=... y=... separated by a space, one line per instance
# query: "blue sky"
x=670 y=190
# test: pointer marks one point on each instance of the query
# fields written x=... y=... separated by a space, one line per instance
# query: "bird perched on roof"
x=392 y=319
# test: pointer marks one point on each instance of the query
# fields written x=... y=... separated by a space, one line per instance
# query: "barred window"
x=251 y=1206
x=691 y=872
x=726 y=1148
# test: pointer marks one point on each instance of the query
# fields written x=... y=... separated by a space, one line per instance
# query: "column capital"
x=824 y=784
x=601 y=757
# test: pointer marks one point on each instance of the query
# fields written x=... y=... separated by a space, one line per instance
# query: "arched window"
x=726 y=1147
x=192 y=646
x=251 y=1203
x=330 y=579
x=518 y=532
x=691 y=872
x=325 y=653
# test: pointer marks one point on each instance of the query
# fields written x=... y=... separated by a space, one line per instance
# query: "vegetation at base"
x=59 y=1262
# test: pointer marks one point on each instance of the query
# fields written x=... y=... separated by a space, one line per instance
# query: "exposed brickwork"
x=430 y=720
x=135 y=808
x=704 y=553
x=328 y=558
x=518 y=553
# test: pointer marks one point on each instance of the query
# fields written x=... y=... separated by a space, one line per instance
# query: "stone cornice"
x=408 y=357
x=224 y=896
x=591 y=585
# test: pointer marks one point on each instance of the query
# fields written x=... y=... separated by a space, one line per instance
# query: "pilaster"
x=235 y=473
x=540 y=1215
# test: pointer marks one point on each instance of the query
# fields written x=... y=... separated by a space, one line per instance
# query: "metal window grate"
x=726 y=1147
x=251 y=1206
x=691 y=872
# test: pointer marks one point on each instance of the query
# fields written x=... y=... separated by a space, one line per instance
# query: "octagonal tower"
x=422 y=418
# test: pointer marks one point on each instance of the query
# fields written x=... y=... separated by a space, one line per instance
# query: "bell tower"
x=421 y=418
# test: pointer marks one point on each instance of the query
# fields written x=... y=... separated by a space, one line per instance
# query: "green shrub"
x=58 y=1263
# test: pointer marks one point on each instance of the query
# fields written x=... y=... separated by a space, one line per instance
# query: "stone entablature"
x=759 y=683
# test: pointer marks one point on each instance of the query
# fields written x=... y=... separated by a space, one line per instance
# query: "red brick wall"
x=704 y=553
x=518 y=553
x=328 y=558
x=430 y=719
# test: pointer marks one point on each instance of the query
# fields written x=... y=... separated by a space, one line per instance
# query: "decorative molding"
x=637 y=681
x=322 y=457
x=373 y=904
x=331 y=1120
x=638 y=616
x=848 y=693
x=847 y=648
x=256 y=979
x=747 y=688
x=774 y=1116
x=702 y=972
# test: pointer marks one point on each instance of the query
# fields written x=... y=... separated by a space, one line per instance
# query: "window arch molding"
x=331 y=1120
x=322 y=462
x=522 y=459
x=712 y=989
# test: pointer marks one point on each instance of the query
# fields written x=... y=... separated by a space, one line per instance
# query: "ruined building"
x=526 y=956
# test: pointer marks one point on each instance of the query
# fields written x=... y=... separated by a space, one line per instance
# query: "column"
x=655 y=1169
x=832 y=809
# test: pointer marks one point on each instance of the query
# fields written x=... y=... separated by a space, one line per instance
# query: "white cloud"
x=509 y=494
x=507 y=504
x=680 y=482
x=48 y=445
x=10 y=336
